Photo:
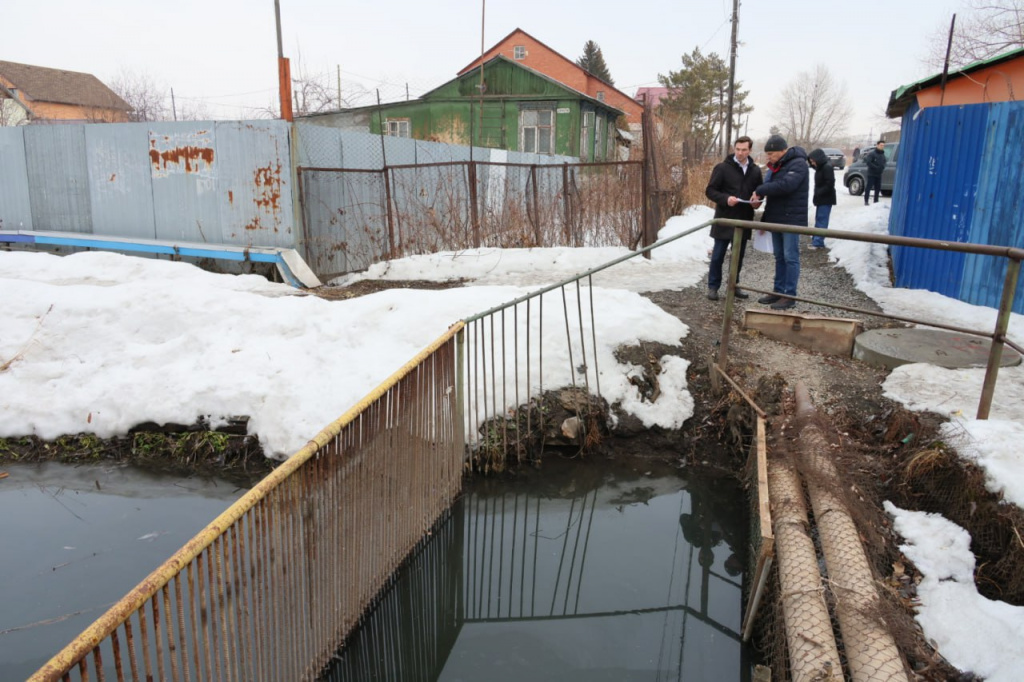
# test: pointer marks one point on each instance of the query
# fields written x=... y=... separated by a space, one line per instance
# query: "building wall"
x=54 y=111
x=996 y=83
x=541 y=58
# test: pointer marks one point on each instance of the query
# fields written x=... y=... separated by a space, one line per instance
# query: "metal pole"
x=945 y=65
x=723 y=347
x=284 y=73
x=995 y=354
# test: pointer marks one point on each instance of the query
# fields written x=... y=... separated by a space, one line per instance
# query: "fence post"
x=565 y=204
x=474 y=210
x=995 y=353
x=723 y=346
x=392 y=246
x=534 y=201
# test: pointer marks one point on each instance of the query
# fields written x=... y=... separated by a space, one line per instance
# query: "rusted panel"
x=121 y=185
x=184 y=169
x=15 y=206
x=253 y=192
x=832 y=335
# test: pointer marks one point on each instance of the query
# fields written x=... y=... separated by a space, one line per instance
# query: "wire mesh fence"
x=353 y=218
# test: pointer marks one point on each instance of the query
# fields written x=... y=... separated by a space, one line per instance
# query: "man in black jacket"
x=875 y=159
x=786 y=190
x=731 y=184
x=824 y=193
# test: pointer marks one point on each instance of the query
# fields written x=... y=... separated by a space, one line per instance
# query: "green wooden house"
x=511 y=107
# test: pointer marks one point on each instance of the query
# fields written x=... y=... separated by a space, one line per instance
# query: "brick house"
x=519 y=46
x=37 y=94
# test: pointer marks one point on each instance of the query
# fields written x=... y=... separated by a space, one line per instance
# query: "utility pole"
x=340 y=105
x=732 y=70
x=284 y=71
x=174 y=108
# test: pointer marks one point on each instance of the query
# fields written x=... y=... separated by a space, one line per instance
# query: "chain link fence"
x=352 y=218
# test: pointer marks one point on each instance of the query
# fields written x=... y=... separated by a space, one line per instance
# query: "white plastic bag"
x=763 y=241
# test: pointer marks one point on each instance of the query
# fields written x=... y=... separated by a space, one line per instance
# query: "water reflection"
x=575 y=574
x=77 y=538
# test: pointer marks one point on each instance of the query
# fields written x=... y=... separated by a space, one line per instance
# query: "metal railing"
x=997 y=336
x=272 y=586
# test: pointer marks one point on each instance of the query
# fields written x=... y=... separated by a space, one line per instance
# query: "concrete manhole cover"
x=894 y=347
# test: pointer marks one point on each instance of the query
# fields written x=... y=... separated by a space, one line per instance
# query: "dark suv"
x=858 y=171
x=835 y=157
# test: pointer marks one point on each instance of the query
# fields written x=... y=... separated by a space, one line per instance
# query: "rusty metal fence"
x=353 y=218
x=271 y=587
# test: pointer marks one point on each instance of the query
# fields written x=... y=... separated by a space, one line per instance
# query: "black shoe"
x=712 y=294
x=770 y=298
x=783 y=304
x=739 y=293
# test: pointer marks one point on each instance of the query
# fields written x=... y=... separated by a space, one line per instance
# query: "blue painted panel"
x=183 y=164
x=939 y=157
x=15 y=205
x=253 y=183
x=121 y=191
x=58 y=178
x=997 y=218
x=960 y=179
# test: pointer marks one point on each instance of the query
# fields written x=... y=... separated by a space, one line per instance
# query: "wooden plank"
x=833 y=335
x=764 y=508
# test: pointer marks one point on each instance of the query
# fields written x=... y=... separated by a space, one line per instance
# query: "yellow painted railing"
x=272 y=586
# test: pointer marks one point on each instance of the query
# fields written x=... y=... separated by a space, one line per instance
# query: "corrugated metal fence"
x=226 y=182
x=960 y=179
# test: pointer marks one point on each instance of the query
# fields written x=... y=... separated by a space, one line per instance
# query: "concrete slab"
x=832 y=335
x=894 y=347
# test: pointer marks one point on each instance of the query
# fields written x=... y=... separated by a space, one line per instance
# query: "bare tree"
x=813 y=108
x=984 y=28
x=147 y=99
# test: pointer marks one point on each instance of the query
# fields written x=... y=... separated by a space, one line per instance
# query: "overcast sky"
x=223 y=52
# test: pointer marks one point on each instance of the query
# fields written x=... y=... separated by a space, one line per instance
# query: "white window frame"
x=519 y=52
x=540 y=130
x=397 y=127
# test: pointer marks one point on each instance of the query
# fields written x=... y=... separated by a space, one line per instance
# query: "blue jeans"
x=821 y=214
x=787 y=262
x=718 y=258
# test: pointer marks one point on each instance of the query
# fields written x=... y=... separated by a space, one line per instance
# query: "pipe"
x=811 y=644
x=871 y=652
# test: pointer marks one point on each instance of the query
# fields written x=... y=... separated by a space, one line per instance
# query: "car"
x=856 y=174
x=835 y=157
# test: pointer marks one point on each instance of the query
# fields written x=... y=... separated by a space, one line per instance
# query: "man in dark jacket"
x=875 y=159
x=731 y=184
x=824 y=193
x=786 y=191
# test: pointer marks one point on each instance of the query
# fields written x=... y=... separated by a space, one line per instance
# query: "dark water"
x=577 y=572
x=76 y=539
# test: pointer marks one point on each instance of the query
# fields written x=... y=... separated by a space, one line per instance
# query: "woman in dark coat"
x=824 y=193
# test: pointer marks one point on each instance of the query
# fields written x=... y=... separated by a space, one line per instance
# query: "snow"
x=972 y=632
x=100 y=342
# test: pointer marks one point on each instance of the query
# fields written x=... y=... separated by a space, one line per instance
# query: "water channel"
x=77 y=538
x=581 y=571
x=577 y=571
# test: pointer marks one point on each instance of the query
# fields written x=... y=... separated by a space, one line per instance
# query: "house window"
x=519 y=52
x=536 y=130
x=600 y=95
x=396 y=127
